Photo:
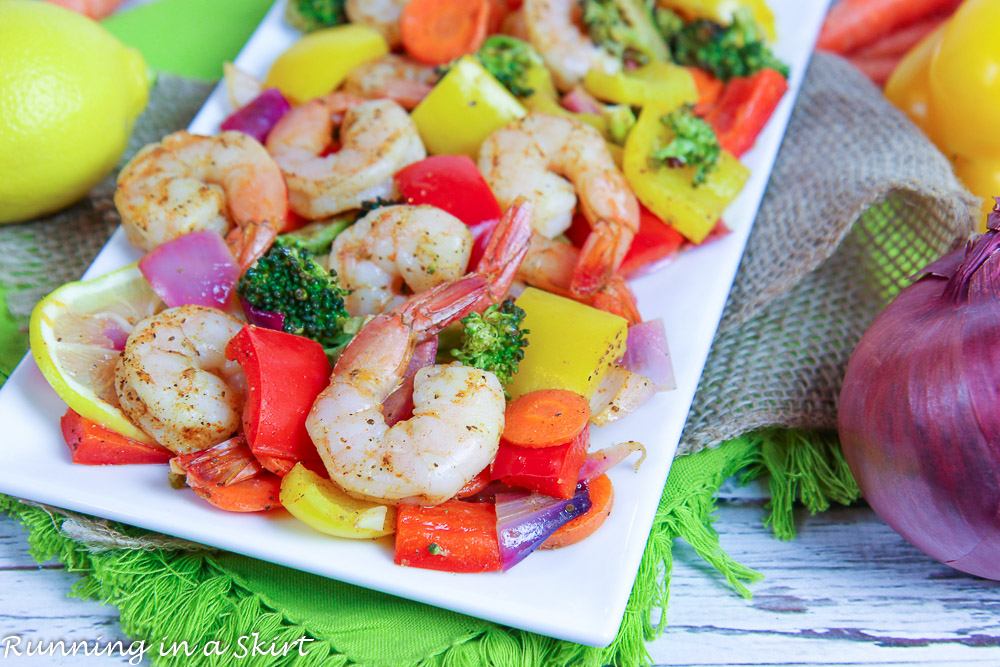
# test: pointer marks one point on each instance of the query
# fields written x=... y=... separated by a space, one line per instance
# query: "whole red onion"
x=919 y=415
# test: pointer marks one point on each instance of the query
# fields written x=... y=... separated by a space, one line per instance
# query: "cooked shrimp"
x=555 y=30
x=419 y=246
x=188 y=183
x=549 y=264
x=458 y=411
x=394 y=77
x=174 y=382
x=531 y=156
x=377 y=139
x=382 y=15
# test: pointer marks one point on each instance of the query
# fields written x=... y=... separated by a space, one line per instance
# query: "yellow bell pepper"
x=948 y=85
x=465 y=106
x=570 y=345
x=665 y=84
x=320 y=61
x=721 y=11
x=669 y=192
x=321 y=504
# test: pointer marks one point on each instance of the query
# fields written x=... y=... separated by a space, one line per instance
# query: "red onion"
x=647 y=353
x=196 y=268
x=399 y=405
x=599 y=462
x=919 y=414
x=525 y=520
x=259 y=116
x=262 y=318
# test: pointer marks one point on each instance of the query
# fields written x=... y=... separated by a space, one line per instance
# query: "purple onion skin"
x=919 y=415
x=259 y=116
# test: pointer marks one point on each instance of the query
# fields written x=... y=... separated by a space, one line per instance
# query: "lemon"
x=76 y=333
x=320 y=61
x=69 y=93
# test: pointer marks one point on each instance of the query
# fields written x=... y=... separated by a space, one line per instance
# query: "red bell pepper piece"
x=285 y=373
x=94 y=445
x=551 y=471
x=743 y=108
x=709 y=88
x=452 y=183
x=454 y=536
x=481 y=234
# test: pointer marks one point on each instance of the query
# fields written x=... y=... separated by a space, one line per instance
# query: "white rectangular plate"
x=578 y=593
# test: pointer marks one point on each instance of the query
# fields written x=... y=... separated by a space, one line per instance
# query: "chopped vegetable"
x=258 y=117
x=571 y=345
x=323 y=505
x=709 y=88
x=545 y=417
x=728 y=51
x=438 y=31
x=620 y=119
x=625 y=28
x=602 y=499
x=92 y=444
x=526 y=520
x=647 y=354
x=551 y=471
x=693 y=144
x=654 y=242
x=288 y=280
x=284 y=375
x=722 y=11
x=601 y=461
x=509 y=60
x=452 y=183
x=743 y=109
x=465 y=106
x=620 y=393
x=317 y=237
x=399 y=405
x=663 y=83
x=310 y=15
x=195 y=268
x=455 y=536
x=494 y=340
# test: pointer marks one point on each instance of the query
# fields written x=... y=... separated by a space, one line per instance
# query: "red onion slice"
x=599 y=462
x=196 y=268
x=399 y=405
x=647 y=353
x=260 y=116
x=525 y=520
x=262 y=318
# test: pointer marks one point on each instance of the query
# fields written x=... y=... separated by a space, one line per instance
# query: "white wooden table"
x=847 y=591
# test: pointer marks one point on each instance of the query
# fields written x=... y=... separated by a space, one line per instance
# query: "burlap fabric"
x=858 y=201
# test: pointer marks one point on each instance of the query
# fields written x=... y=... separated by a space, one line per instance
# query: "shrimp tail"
x=505 y=251
x=600 y=257
x=250 y=241
x=433 y=310
x=616 y=297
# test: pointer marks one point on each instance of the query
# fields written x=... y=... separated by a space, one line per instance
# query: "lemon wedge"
x=76 y=333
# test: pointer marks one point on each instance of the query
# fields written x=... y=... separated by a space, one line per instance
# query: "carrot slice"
x=602 y=497
x=438 y=31
x=545 y=418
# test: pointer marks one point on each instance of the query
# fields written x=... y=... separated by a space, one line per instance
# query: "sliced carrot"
x=545 y=418
x=602 y=497
x=853 y=24
x=438 y=31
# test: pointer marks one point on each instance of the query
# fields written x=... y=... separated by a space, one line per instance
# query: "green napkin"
x=190 y=38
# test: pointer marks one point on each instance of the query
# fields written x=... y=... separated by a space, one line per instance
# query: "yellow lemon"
x=69 y=93
x=76 y=333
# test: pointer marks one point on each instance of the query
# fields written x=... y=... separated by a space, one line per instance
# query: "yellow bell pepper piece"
x=669 y=192
x=463 y=109
x=570 y=345
x=721 y=11
x=320 y=61
x=661 y=83
x=323 y=505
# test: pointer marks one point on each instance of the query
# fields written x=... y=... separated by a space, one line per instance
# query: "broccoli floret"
x=620 y=119
x=494 y=341
x=288 y=280
x=694 y=144
x=725 y=51
x=318 y=236
x=309 y=15
x=624 y=28
x=509 y=59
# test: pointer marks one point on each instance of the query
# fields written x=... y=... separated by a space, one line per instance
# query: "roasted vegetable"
x=309 y=15
x=494 y=341
x=625 y=28
x=509 y=59
x=694 y=144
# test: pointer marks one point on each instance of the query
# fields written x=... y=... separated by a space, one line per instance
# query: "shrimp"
x=394 y=77
x=174 y=382
x=421 y=246
x=530 y=157
x=549 y=265
x=188 y=183
x=554 y=29
x=378 y=139
x=382 y=15
x=458 y=410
